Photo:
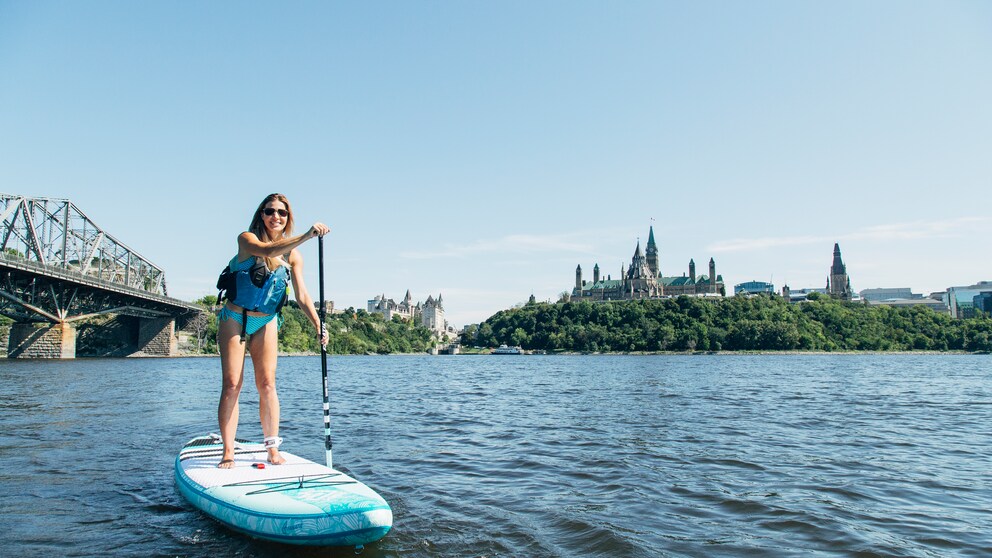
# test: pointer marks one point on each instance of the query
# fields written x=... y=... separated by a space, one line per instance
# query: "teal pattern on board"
x=298 y=502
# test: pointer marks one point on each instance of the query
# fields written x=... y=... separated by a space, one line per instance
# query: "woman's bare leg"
x=232 y=364
x=264 y=353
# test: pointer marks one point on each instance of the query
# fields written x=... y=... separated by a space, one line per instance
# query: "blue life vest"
x=256 y=289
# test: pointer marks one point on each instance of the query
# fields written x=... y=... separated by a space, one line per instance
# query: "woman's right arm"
x=251 y=245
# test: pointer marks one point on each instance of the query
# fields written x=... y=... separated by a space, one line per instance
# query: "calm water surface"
x=528 y=456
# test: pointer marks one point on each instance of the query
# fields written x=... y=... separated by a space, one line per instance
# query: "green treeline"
x=737 y=323
x=349 y=332
x=4 y=332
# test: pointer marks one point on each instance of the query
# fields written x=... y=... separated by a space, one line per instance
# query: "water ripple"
x=533 y=456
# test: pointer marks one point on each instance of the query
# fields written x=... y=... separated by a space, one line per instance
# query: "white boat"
x=505 y=350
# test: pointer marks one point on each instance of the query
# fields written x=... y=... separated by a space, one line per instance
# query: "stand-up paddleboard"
x=298 y=502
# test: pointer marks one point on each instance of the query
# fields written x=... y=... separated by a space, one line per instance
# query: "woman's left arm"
x=302 y=295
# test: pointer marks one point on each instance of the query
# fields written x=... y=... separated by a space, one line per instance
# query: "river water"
x=744 y=455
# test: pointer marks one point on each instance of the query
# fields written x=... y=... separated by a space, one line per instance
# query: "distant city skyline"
x=480 y=151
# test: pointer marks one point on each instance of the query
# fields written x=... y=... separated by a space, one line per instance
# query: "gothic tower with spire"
x=839 y=284
x=651 y=254
x=712 y=286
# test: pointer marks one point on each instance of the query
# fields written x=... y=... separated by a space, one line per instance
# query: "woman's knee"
x=266 y=385
x=231 y=386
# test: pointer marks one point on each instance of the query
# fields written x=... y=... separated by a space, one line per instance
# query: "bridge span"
x=61 y=273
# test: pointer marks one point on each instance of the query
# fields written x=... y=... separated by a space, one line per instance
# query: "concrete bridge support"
x=157 y=337
x=126 y=336
x=42 y=341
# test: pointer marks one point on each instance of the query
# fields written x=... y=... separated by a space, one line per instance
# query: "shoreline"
x=644 y=353
x=3 y=355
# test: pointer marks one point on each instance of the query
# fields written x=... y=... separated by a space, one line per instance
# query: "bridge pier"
x=127 y=337
x=157 y=337
x=41 y=341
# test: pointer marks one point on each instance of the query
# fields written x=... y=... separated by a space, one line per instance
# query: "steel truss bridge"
x=58 y=266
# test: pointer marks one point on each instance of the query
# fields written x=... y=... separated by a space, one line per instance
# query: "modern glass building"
x=754 y=287
x=983 y=302
x=961 y=300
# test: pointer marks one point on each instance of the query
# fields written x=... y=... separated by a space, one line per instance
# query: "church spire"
x=839 y=283
x=837 y=267
x=652 y=253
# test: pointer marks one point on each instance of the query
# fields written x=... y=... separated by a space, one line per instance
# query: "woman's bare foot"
x=275 y=458
x=226 y=464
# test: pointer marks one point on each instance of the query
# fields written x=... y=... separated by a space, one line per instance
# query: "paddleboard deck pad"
x=298 y=502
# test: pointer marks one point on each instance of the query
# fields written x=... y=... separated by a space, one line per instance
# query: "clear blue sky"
x=483 y=150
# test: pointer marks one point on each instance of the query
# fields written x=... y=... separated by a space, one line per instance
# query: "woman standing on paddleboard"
x=256 y=281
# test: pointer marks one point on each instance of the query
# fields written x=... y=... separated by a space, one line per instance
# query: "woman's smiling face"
x=274 y=215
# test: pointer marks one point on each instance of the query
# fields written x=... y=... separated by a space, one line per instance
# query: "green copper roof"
x=605 y=284
x=676 y=281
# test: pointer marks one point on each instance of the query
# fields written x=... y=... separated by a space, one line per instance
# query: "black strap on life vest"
x=244 y=324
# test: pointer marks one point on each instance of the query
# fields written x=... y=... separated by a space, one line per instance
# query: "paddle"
x=323 y=352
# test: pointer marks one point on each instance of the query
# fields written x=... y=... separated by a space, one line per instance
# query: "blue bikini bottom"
x=254 y=324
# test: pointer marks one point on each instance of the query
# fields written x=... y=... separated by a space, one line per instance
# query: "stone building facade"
x=643 y=279
x=430 y=314
x=389 y=308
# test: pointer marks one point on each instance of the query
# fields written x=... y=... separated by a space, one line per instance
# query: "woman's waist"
x=238 y=309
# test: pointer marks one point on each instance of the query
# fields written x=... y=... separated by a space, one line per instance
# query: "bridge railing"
x=56 y=234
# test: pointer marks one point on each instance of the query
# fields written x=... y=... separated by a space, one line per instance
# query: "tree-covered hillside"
x=350 y=332
x=738 y=323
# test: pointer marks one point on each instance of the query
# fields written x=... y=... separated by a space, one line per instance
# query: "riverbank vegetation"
x=350 y=332
x=737 y=323
x=4 y=333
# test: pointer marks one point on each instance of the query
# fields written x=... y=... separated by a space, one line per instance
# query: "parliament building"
x=643 y=279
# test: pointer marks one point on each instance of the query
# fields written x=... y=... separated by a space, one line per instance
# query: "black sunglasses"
x=268 y=211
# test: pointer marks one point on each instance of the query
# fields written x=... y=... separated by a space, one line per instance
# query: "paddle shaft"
x=323 y=351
